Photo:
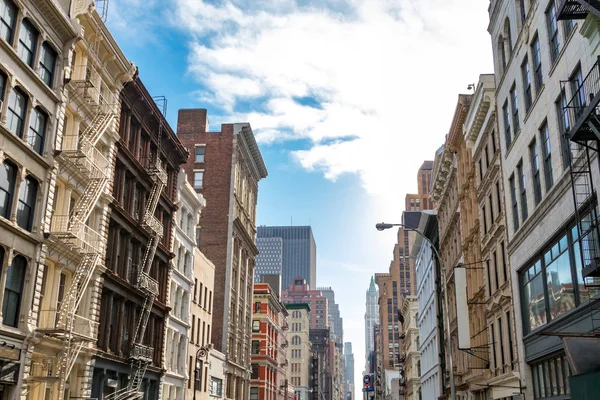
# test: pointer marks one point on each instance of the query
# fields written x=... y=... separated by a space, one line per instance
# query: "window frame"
x=526 y=77
x=28 y=27
x=9 y=5
x=46 y=72
x=514 y=108
x=12 y=113
x=534 y=160
x=546 y=155
x=538 y=76
x=8 y=291
x=201 y=182
x=553 y=34
x=34 y=133
x=523 y=190
x=9 y=192
x=196 y=159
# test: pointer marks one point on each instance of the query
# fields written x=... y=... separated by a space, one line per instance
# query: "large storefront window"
x=553 y=284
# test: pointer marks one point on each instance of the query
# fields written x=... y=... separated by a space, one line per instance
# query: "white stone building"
x=371 y=319
x=428 y=309
x=410 y=383
x=541 y=67
x=182 y=283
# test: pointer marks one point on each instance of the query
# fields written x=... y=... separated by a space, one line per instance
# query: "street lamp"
x=383 y=226
x=201 y=353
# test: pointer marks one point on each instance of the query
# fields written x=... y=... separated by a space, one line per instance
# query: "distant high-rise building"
x=420 y=201
x=371 y=319
x=299 y=292
x=269 y=260
x=348 y=371
x=299 y=252
x=336 y=322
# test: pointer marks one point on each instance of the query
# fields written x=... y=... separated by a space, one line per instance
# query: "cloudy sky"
x=346 y=98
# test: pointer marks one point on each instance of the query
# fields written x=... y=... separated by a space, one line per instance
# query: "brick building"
x=226 y=167
x=269 y=344
x=135 y=290
x=299 y=292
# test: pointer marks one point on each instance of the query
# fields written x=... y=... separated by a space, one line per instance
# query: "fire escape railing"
x=577 y=9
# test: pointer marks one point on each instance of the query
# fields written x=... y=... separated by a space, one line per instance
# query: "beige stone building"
x=200 y=344
x=410 y=385
x=78 y=190
x=299 y=343
x=35 y=37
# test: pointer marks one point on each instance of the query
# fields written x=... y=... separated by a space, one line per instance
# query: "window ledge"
x=13 y=53
x=45 y=162
x=16 y=229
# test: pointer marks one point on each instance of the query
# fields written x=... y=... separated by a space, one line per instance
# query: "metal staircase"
x=141 y=355
x=71 y=238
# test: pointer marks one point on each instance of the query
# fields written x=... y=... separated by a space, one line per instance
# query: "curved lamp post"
x=383 y=226
x=201 y=353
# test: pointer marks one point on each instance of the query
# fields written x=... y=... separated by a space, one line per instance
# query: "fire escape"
x=141 y=355
x=583 y=119
x=70 y=236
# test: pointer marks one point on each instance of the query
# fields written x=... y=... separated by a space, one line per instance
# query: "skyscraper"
x=348 y=371
x=269 y=260
x=335 y=319
x=299 y=252
x=371 y=318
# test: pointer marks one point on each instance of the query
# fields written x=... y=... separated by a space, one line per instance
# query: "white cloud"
x=386 y=73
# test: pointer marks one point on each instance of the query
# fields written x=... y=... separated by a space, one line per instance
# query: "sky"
x=346 y=98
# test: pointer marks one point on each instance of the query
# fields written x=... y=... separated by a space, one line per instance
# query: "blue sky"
x=346 y=98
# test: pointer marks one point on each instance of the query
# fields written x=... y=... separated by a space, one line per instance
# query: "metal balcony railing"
x=82 y=327
x=147 y=284
x=154 y=168
x=582 y=107
x=577 y=9
x=153 y=224
x=78 y=236
x=141 y=352
x=87 y=159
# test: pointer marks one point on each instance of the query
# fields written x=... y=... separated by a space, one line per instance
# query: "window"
x=487 y=157
x=578 y=91
x=511 y=356
x=498 y=197
x=523 y=189
x=553 y=39
x=535 y=172
x=533 y=297
x=522 y=11
x=8 y=177
x=26 y=206
x=493 y=343
x=254 y=392
x=514 y=108
x=515 y=206
x=2 y=83
x=255 y=326
x=502 y=52
x=526 y=84
x=198 y=179
x=491 y=210
x=547 y=154
x=501 y=338
x=17 y=107
x=8 y=13
x=13 y=291
x=504 y=269
x=562 y=113
x=255 y=347
x=493 y=139
x=216 y=386
x=37 y=130
x=507 y=132
x=508 y=36
x=28 y=37
x=484 y=217
x=568 y=26
x=199 y=154
x=537 y=64
x=47 y=64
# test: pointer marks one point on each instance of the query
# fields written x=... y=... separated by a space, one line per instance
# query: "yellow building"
x=78 y=212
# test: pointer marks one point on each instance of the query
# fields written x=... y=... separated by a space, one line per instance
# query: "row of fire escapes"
x=582 y=117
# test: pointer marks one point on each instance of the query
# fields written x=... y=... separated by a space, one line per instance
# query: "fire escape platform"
x=587 y=122
x=577 y=9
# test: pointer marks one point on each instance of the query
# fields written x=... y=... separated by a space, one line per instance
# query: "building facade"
x=83 y=148
x=348 y=371
x=269 y=379
x=371 y=319
x=410 y=382
x=269 y=260
x=205 y=378
x=321 y=377
x=226 y=167
x=299 y=252
x=32 y=102
x=545 y=57
x=299 y=351
x=429 y=310
x=420 y=201
x=135 y=291
x=299 y=292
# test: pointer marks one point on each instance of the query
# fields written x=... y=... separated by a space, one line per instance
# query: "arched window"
x=47 y=64
x=508 y=36
x=522 y=10
x=17 y=107
x=296 y=340
x=8 y=18
x=13 y=291
x=26 y=207
x=28 y=37
x=8 y=176
x=501 y=55
x=37 y=130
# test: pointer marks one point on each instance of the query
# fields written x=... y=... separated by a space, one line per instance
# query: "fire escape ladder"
x=97 y=127
x=85 y=204
x=141 y=355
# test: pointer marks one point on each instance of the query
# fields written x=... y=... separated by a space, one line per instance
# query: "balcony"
x=583 y=108
x=577 y=9
x=85 y=90
x=73 y=237
x=142 y=353
x=154 y=168
x=147 y=284
x=152 y=224
x=83 y=328
x=82 y=160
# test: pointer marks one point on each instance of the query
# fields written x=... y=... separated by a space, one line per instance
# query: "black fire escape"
x=578 y=9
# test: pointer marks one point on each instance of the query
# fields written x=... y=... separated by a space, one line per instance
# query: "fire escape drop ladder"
x=140 y=356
